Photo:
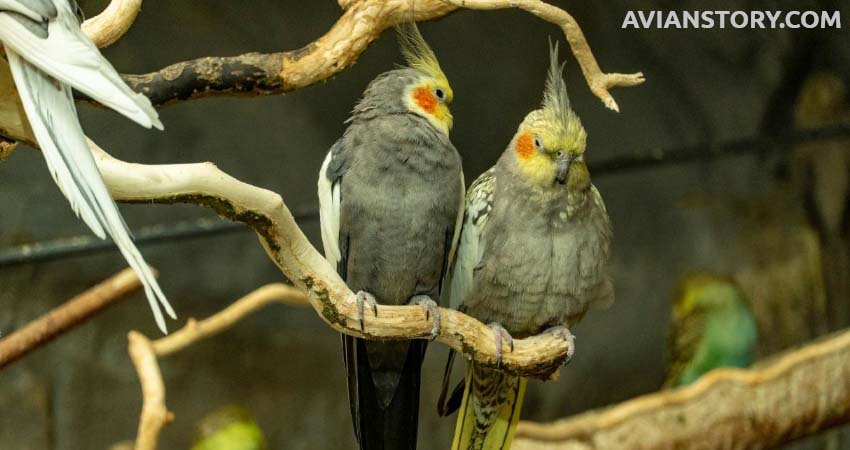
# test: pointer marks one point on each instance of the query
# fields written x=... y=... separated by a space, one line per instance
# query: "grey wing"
x=50 y=110
x=455 y=238
x=329 y=207
x=479 y=203
x=35 y=10
x=66 y=54
x=603 y=297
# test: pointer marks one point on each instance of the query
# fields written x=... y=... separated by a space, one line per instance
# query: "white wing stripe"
x=329 y=199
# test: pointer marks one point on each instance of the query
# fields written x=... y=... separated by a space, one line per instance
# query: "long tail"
x=48 y=55
x=50 y=110
x=490 y=409
x=383 y=391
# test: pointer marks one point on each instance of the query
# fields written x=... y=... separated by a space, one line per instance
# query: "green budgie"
x=712 y=326
x=229 y=428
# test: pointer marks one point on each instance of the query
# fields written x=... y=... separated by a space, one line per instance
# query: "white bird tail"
x=45 y=68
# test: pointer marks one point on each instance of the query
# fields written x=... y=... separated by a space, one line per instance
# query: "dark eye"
x=538 y=143
x=440 y=94
x=560 y=154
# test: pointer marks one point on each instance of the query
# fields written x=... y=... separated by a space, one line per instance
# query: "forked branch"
x=145 y=353
x=599 y=81
x=286 y=245
x=362 y=22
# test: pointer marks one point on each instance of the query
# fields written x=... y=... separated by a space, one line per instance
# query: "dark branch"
x=254 y=74
x=249 y=74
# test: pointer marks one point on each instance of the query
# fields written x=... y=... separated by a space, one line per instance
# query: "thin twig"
x=144 y=353
x=154 y=413
x=70 y=314
x=286 y=245
x=599 y=81
x=789 y=397
x=194 y=331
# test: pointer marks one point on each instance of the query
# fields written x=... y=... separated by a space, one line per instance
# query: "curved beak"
x=563 y=168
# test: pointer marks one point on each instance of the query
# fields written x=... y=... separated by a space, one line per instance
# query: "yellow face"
x=430 y=98
x=689 y=293
x=551 y=155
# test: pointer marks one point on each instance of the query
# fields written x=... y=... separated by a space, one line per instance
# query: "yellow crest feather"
x=417 y=52
x=556 y=108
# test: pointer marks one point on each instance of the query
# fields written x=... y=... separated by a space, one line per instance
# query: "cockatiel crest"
x=532 y=257
x=560 y=124
x=551 y=140
x=432 y=95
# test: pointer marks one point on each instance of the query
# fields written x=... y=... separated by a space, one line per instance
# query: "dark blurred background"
x=749 y=215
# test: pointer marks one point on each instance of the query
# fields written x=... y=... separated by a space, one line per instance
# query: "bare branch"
x=154 y=413
x=144 y=353
x=70 y=314
x=363 y=21
x=276 y=73
x=194 y=331
x=107 y=27
x=789 y=397
x=299 y=261
x=598 y=81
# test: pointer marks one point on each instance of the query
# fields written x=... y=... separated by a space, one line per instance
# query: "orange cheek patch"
x=524 y=146
x=425 y=99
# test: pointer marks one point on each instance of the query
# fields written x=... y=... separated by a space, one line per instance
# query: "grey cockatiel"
x=390 y=193
x=47 y=55
x=532 y=255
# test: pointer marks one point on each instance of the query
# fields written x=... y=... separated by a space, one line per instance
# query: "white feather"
x=50 y=109
x=329 y=198
x=44 y=70
x=70 y=57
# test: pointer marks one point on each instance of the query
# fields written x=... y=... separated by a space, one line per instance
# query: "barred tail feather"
x=489 y=411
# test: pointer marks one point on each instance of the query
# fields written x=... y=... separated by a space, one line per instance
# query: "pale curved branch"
x=107 y=27
x=299 y=261
x=599 y=81
x=788 y=397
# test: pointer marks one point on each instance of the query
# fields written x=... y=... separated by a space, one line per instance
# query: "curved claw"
x=565 y=334
x=431 y=309
x=362 y=298
x=500 y=334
